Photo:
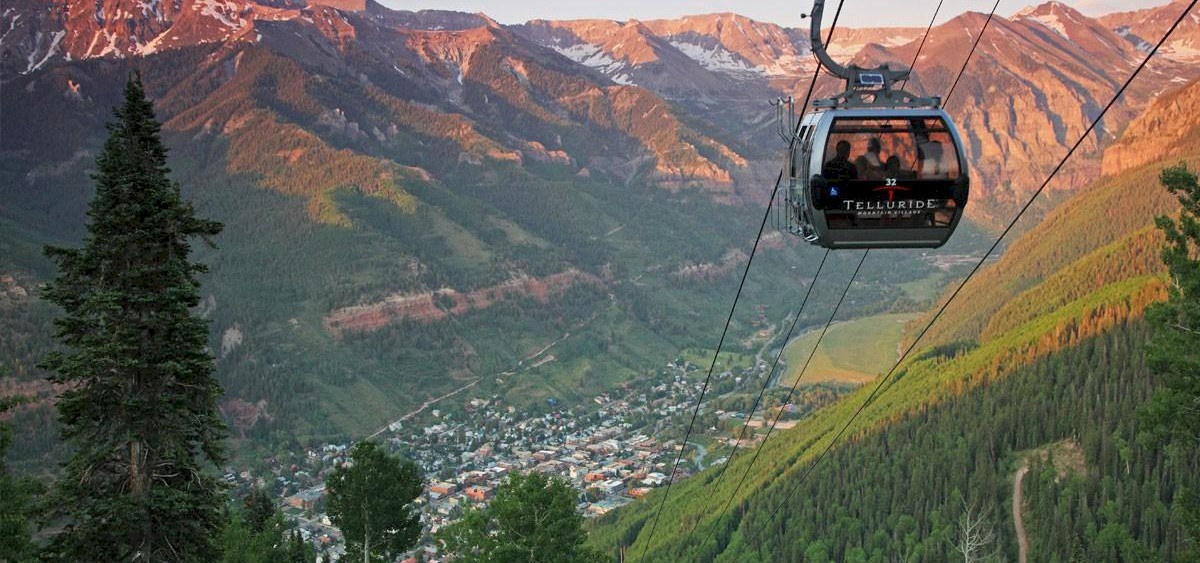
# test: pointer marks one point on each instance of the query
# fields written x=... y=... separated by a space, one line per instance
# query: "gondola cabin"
x=872 y=178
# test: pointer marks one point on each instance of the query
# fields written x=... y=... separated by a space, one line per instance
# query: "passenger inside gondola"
x=839 y=167
x=891 y=168
x=930 y=165
x=870 y=164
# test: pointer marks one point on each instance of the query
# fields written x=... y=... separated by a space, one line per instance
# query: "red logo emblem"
x=891 y=191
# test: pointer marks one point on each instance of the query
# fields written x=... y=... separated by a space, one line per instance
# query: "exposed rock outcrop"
x=1159 y=132
x=436 y=305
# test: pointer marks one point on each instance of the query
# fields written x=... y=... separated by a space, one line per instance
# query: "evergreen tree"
x=1174 y=351
x=259 y=510
x=532 y=519
x=370 y=501
x=241 y=543
x=139 y=410
x=299 y=551
x=257 y=534
x=15 y=500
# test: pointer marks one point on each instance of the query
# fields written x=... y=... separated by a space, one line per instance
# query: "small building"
x=655 y=479
x=612 y=486
x=306 y=499
x=480 y=493
x=638 y=492
x=442 y=489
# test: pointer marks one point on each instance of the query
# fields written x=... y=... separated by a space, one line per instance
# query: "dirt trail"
x=1022 y=540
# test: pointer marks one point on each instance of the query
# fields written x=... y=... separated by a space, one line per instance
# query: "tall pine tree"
x=139 y=408
x=15 y=499
x=1174 y=352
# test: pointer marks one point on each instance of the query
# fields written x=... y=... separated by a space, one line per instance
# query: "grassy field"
x=851 y=352
x=927 y=288
x=728 y=360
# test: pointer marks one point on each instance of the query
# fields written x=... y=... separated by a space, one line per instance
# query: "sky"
x=857 y=13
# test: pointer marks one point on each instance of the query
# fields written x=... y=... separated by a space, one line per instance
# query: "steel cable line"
x=708 y=377
x=716 y=355
x=795 y=384
x=970 y=53
x=978 y=265
x=767 y=383
x=921 y=47
x=787 y=338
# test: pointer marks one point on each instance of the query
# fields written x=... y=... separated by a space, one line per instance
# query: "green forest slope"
x=1058 y=315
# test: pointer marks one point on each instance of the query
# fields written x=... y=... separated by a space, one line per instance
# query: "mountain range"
x=419 y=201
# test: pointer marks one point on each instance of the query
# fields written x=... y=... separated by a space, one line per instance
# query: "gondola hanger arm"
x=818 y=45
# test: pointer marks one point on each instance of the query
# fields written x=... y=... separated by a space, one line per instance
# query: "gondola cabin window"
x=889 y=172
x=903 y=149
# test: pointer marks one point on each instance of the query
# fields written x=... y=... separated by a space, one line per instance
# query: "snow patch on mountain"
x=1183 y=50
x=789 y=64
x=55 y=40
x=1051 y=22
x=110 y=44
x=221 y=12
x=11 y=25
x=152 y=45
x=716 y=59
x=150 y=7
x=107 y=47
x=593 y=56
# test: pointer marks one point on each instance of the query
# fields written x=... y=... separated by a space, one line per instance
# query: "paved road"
x=1022 y=540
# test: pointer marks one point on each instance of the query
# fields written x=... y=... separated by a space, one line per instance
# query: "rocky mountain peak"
x=454 y=47
x=79 y=29
x=1058 y=18
x=1045 y=8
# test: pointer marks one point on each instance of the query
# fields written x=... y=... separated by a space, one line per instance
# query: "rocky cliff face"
x=446 y=302
x=42 y=31
x=1162 y=132
x=441 y=76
